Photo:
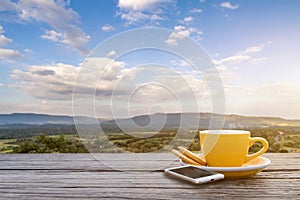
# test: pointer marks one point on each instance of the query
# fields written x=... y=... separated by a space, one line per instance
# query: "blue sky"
x=254 y=44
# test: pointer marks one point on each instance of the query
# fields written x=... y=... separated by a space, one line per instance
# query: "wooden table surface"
x=135 y=176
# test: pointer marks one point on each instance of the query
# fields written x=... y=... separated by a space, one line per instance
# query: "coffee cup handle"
x=261 y=151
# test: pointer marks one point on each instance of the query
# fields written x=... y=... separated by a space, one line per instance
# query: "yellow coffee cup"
x=229 y=148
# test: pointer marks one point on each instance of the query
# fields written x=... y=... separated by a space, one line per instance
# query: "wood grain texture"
x=81 y=176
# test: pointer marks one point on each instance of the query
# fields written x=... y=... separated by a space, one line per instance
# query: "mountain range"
x=154 y=121
x=39 y=119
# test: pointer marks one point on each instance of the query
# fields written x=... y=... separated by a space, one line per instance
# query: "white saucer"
x=250 y=168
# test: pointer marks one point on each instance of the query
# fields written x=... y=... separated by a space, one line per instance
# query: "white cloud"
x=46 y=81
x=181 y=32
x=179 y=28
x=196 y=10
x=229 y=5
x=107 y=28
x=3 y=39
x=253 y=49
x=27 y=50
x=242 y=56
x=63 y=20
x=7 y=5
x=184 y=63
x=226 y=67
x=111 y=53
x=146 y=11
x=181 y=63
x=270 y=99
x=164 y=88
x=195 y=30
x=274 y=98
x=232 y=59
x=141 y=5
x=122 y=85
x=65 y=39
x=56 y=81
x=188 y=19
x=133 y=17
x=9 y=55
x=175 y=36
x=52 y=35
x=256 y=61
x=1 y=84
x=227 y=76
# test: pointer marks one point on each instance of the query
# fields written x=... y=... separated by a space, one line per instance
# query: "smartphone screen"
x=192 y=172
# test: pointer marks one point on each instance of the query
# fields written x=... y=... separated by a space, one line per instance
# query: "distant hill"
x=196 y=121
x=150 y=122
x=39 y=119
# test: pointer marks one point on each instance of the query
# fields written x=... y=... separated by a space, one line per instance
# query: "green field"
x=7 y=146
x=281 y=139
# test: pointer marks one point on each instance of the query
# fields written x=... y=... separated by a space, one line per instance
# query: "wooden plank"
x=39 y=180
x=118 y=156
x=80 y=176
x=242 y=190
x=121 y=161
x=104 y=179
x=14 y=175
